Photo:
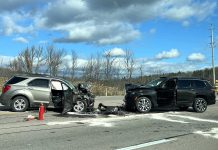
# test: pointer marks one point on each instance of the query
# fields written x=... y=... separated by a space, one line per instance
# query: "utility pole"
x=212 y=48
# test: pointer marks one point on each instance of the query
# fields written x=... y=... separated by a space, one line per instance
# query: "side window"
x=15 y=80
x=65 y=87
x=199 y=84
x=183 y=84
x=170 y=84
x=56 y=85
x=39 y=83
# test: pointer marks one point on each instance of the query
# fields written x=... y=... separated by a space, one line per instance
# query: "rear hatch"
x=10 y=82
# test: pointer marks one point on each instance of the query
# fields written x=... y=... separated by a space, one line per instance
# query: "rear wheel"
x=19 y=104
x=143 y=104
x=80 y=106
x=200 y=105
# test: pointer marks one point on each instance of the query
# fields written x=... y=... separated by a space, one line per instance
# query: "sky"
x=166 y=35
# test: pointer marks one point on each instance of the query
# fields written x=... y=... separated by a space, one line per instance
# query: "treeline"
x=53 y=61
x=107 y=72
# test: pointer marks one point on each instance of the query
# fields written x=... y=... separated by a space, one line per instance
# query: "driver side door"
x=166 y=93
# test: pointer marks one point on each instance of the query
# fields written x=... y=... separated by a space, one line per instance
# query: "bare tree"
x=129 y=63
x=108 y=65
x=54 y=58
x=15 y=66
x=89 y=69
x=39 y=59
x=29 y=60
x=98 y=67
x=74 y=59
x=141 y=70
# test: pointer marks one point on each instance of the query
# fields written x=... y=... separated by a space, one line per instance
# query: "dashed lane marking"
x=147 y=144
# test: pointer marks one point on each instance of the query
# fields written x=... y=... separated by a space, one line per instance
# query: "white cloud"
x=173 y=53
x=115 y=52
x=196 y=57
x=5 y=60
x=21 y=40
x=104 y=22
x=80 y=62
x=152 y=31
x=10 y=27
x=185 y=23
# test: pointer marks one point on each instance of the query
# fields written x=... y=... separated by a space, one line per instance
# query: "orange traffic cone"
x=41 y=112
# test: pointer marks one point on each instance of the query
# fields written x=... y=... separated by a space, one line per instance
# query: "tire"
x=80 y=106
x=19 y=104
x=200 y=105
x=143 y=104
x=183 y=108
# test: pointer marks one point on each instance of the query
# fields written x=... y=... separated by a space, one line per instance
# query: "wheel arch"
x=201 y=96
x=22 y=96
x=153 y=102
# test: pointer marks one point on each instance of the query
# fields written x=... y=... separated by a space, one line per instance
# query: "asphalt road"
x=157 y=130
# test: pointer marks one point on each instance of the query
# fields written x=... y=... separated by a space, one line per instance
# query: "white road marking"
x=212 y=133
x=106 y=122
x=147 y=144
x=165 y=117
x=195 y=118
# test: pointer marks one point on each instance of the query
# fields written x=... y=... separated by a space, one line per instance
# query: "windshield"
x=70 y=85
x=155 y=83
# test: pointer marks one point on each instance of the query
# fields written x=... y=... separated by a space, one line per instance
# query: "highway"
x=159 y=129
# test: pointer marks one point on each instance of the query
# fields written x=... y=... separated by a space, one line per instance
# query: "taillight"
x=6 y=88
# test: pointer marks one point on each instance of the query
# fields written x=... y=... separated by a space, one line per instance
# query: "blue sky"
x=167 y=35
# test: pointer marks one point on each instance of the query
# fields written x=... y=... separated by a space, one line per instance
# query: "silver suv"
x=22 y=92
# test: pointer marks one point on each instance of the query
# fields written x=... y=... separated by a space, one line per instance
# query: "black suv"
x=170 y=92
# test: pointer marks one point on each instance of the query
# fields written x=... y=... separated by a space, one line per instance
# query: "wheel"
x=183 y=108
x=80 y=106
x=200 y=105
x=143 y=104
x=19 y=104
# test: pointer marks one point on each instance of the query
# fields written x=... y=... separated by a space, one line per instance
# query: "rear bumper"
x=4 y=100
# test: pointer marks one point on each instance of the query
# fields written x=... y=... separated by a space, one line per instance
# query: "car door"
x=40 y=90
x=185 y=92
x=166 y=93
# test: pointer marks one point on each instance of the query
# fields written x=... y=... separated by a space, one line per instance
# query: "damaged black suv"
x=175 y=92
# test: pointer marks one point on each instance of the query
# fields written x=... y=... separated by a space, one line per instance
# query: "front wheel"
x=143 y=104
x=200 y=105
x=19 y=104
x=80 y=106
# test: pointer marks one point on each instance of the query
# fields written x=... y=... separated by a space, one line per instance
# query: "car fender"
x=151 y=94
x=23 y=92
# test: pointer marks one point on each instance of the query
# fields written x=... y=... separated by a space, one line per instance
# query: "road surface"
x=157 y=130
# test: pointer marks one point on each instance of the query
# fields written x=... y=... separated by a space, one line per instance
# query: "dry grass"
x=2 y=81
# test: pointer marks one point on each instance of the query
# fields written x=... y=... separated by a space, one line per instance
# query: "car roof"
x=44 y=76
x=185 y=78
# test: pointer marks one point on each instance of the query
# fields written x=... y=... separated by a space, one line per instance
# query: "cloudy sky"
x=167 y=34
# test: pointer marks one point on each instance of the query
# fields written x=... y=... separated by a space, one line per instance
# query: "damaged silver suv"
x=24 y=91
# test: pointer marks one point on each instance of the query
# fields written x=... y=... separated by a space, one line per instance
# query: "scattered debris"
x=30 y=117
x=107 y=110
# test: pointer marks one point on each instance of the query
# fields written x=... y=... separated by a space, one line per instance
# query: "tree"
x=29 y=60
x=108 y=65
x=54 y=58
x=129 y=63
x=74 y=59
